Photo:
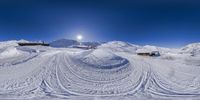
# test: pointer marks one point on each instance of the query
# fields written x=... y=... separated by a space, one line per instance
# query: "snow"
x=104 y=59
x=9 y=52
x=112 y=71
x=119 y=46
x=63 y=43
x=193 y=49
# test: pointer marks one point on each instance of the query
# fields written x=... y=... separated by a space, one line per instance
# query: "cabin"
x=148 y=53
x=144 y=54
x=33 y=44
x=155 y=53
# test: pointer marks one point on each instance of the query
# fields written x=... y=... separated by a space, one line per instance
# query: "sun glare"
x=79 y=37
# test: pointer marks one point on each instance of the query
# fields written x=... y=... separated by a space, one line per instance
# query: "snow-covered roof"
x=143 y=51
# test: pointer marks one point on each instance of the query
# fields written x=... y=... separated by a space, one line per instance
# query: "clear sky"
x=168 y=23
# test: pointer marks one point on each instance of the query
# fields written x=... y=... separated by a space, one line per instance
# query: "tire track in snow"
x=80 y=85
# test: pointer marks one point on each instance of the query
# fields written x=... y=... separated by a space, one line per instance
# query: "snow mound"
x=8 y=44
x=10 y=52
x=11 y=43
x=104 y=59
x=96 y=72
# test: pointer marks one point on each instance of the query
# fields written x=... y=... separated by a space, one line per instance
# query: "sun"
x=79 y=37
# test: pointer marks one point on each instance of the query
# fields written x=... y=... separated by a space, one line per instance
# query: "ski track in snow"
x=50 y=73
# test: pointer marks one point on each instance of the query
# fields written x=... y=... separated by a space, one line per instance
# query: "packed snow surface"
x=112 y=71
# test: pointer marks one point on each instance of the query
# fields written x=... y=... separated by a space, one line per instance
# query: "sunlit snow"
x=111 y=71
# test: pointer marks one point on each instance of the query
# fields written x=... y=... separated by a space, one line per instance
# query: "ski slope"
x=112 y=71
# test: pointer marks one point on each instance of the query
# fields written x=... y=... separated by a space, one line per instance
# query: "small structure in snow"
x=143 y=52
x=155 y=53
x=33 y=44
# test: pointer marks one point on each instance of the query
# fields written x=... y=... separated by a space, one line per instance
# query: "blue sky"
x=169 y=23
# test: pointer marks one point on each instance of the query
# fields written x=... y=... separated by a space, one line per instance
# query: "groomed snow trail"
x=44 y=72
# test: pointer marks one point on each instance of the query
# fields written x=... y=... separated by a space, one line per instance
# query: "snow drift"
x=104 y=59
x=10 y=52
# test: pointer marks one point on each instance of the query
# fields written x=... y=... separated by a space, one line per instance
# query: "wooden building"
x=33 y=44
x=148 y=53
x=144 y=54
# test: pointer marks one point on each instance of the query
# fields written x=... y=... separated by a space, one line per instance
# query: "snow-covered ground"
x=112 y=71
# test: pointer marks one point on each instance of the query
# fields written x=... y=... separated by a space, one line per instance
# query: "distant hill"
x=193 y=49
x=62 y=43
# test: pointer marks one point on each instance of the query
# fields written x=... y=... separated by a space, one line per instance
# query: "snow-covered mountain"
x=93 y=44
x=120 y=46
x=69 y=43
x=64 y=43
x=193 y=49
x=111 y=71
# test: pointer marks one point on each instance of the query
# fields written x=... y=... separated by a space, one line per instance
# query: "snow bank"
x=10 y=52
x=8 y=44
x=104 y=59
